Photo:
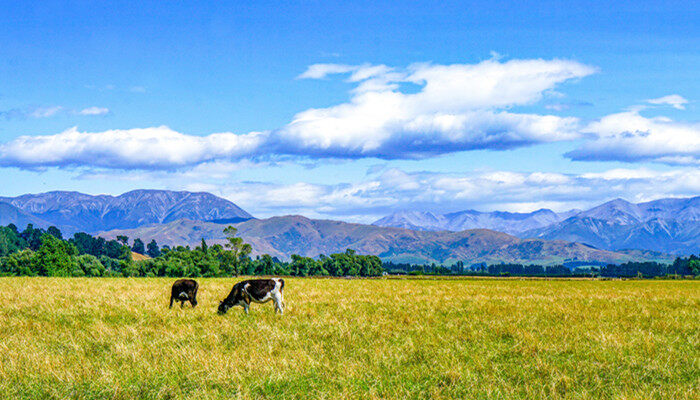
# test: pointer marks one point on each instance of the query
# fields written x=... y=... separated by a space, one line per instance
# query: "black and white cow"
x=184 y=290
x=256 y=291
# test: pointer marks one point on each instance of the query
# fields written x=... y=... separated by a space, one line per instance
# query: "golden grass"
x=139 y=256
x=376 y=339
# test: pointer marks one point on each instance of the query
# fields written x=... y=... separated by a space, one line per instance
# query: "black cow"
x=257 y=291
x=184 y=290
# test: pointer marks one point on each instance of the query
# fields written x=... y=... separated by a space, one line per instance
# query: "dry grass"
x=431 y=339
x=139 y=256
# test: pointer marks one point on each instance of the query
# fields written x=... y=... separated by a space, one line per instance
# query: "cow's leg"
x=171 y=301
x=278 y=303
x=182 y=303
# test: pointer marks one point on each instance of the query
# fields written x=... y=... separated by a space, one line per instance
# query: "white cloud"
x=385 y=191
x=673 y=100
x=150 y=148
x=631 y=137
x=44 y=112
x=94 y=111
x=457 y=107
x=365 y=201
x=419 y=111
x=50 y=111
x=320 y=71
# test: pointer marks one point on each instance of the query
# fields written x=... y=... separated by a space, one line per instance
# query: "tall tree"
x=138 y=246
x=123 y=240
x=32 y=236
x=152 y=249
x=237 y=248
x=55 y=232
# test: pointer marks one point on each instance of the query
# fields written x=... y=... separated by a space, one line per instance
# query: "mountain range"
x=665 y=225
x=74 y=212
x=612 y=232
x=668 y=225
x=293 y=234
x=508 y=222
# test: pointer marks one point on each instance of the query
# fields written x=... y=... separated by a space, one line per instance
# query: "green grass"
x=384 y=338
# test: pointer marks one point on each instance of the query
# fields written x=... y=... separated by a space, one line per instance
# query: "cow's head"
x=223 y=307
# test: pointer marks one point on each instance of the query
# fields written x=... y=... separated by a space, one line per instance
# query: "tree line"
x=688 y=266
x=38 y=252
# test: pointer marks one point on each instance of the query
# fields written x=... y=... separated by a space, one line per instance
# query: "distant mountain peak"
x=504 y=221
x=670 y=225
x=74 y=211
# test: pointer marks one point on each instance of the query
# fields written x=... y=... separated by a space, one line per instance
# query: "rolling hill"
x=284 y=236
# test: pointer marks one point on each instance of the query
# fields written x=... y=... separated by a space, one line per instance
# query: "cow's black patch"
x=184 y=290
x=244 y=292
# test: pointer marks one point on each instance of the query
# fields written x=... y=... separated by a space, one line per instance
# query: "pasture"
x=115 y=338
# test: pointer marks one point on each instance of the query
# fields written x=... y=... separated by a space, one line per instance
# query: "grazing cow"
x=184 y=290
x=257 y=291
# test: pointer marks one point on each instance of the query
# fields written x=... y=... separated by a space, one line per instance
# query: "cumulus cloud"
x=673 y=100
x=631 y=137
x=151 y=148
x=419 y=111
x=457 y=107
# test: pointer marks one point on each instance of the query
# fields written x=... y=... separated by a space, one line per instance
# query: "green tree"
x=89 y=265
x=237 y=249
x=115 y=249
x=55 y=232
x=152 y=249
x=138 y=246
x=694 y=266
x=20 y=263
x=55 y=257
x=124 y=240
x=32 y=237
x=10 y=241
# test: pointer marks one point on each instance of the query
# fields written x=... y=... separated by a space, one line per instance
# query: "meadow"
x=115 y=338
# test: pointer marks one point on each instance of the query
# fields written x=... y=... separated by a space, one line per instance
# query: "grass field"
x=430 y=339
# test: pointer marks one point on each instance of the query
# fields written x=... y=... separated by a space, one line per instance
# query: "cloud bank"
x=631 y=137
x=422 y=110
x=394 y=189
x=419 y=111
x=151 y=148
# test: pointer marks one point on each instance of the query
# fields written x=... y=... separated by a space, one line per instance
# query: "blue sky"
x=354 y=110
